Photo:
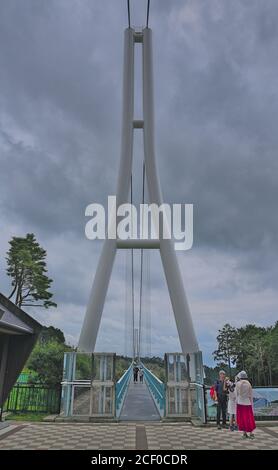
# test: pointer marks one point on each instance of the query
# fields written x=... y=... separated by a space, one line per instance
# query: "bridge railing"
x=88 y=386
x=265 y=402
x=157 y=389
x=121 y=389
x=198 y=402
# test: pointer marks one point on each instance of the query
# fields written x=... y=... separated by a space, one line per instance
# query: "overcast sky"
x=216 y=69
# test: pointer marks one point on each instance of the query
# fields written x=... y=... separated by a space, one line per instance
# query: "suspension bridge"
x=97 y=394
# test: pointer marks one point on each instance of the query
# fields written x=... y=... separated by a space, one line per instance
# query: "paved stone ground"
x=187 y=437
x=139 y=404
x=126 y=436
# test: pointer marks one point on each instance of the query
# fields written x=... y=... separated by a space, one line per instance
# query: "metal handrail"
x=157 y=389
x=121 y=388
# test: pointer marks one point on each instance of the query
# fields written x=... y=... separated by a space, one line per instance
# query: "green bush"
x=46 y=361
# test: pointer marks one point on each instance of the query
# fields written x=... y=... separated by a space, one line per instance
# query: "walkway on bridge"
x=139 y=404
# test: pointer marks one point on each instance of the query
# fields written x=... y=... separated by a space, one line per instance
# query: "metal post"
x=93 y=314
x=205 y=403
x=3 y=369
x=168 y=255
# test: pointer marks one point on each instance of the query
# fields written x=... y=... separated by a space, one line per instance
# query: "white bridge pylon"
x=172 y=272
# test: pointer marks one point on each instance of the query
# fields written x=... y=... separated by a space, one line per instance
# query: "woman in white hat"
x=244 y=409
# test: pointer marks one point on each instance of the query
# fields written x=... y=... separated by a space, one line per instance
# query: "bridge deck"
x=139 y=404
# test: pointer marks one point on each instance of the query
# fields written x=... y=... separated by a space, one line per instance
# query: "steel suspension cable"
x=148 y=13
x=132 y=281
x=128 y=13
x=141 y=270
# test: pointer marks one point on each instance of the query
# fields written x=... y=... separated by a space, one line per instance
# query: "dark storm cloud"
x=221 y=117
x=61 y=90
x=216 y=117
x=216 y=99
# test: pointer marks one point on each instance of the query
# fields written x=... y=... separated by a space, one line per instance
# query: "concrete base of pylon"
x=176 y=419
x=79 y=419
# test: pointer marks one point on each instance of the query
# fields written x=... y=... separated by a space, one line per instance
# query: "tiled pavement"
x=126 y=436
x=184 y=437
x=71 y=436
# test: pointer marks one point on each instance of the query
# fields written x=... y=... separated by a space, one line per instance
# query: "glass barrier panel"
x=66 y=400
x=176 y=367
x=102 y=400
x=178 y=400
x=68 y=366
x=103 y=367
x=81 y=400
x=197 y=402
x=83 y=366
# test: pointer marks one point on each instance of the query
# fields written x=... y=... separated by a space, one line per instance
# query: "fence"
x=36 y=398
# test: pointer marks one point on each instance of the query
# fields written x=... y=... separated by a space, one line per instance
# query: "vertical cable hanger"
x=141 y=270
x=148 y=14
x=128 y=13
x=132 y=280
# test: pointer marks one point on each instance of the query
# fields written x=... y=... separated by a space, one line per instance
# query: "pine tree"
x=27 y=269
x=227 y=346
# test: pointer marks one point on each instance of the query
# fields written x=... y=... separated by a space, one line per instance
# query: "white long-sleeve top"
x=244 y=393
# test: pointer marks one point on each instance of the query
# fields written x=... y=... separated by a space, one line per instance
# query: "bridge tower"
x=131 y=124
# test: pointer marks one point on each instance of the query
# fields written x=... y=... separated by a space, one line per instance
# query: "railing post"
x=205 y=403
x=16 y=397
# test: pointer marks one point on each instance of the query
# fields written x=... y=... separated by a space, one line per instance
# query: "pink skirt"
x=245 y=418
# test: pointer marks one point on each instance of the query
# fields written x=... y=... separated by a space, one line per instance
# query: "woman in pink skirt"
x=244 y=409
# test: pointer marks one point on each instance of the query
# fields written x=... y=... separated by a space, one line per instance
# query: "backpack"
x=213 y=394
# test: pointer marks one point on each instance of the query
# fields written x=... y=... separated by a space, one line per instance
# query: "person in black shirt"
x=135 y=373
x=222 y=394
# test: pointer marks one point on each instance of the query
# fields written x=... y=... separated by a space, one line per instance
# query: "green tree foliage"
x=83 y=368
x=156 y=365
x=49 y=333
x=47 y=361
x=27 y=269
x=226 y=352
x=252 y=348
x=212 y=373
x=122 y=364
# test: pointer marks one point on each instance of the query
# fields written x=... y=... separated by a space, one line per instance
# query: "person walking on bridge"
x=135 y=373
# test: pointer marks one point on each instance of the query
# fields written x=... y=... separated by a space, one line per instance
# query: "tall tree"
x=226 y=351
x=27 y=269
x=252 y=348
x=251 y=357
x=50 y=333
x=47 y=361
